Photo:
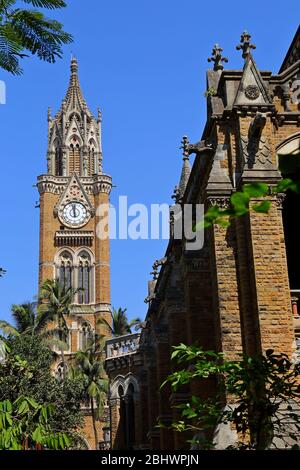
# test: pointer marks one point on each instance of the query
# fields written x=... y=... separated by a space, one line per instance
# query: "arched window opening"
x=290 y=168
x=74 y=156
x=58 y=162
x=130 y=418
x=66 y=270
x=84 y=279
x=61 y=372
x=91 y=160
x=86 y=336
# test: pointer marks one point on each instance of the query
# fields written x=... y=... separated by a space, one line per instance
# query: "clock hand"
x=74 y=210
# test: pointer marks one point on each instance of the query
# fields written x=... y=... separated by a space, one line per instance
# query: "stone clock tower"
x=72 y=193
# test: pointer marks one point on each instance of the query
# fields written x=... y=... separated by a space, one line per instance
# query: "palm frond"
x=8 y=329
x=39 y=35
x=9 y=50
x=50 y=4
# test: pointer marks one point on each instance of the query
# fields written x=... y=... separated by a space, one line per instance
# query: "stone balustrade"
x=122 y=345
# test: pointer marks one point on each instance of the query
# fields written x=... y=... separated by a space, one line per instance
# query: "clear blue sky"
x=143 y=62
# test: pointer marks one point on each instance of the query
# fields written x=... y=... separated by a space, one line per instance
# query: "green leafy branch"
x=262 y=396
x=23 y=30
x=24 y=425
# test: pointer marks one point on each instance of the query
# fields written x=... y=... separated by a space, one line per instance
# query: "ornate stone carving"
x=245 y=45
x=217 y=58
x=256 y=152
x=223 y=202
x=280 y=200
x=252 y=92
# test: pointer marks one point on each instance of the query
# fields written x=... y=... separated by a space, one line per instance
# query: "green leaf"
x=256 y=189
x=262 y=207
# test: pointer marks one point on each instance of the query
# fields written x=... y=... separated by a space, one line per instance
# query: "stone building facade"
x=240 y=292
x=73 y=246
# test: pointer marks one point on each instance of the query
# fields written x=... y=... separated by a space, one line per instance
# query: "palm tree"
x=120 y=325
x=55 y=303
x=88 y=365
x=28 y=320
x=25 y=317
x=23 y=29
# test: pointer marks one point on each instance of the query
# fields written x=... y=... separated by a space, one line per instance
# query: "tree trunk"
x=94 y=424
x=60 y=327
x=64 y=363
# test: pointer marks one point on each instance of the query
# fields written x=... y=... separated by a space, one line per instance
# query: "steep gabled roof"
x=293 y=54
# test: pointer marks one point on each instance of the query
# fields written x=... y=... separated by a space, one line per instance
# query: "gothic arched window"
x=84 y=279
x=86 y=336
x=91 y=162
x=58 y=162
x=74 y=156
x=65 y=270
x=59 y=373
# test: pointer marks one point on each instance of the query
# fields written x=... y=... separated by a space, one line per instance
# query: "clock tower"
x=74 y=198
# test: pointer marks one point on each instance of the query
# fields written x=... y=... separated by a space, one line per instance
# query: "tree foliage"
x=55 y=303
x=120 y=325
x=24 y=425
x=88 y=366
x=25 y=30
x=26 y=372
x=258 y=395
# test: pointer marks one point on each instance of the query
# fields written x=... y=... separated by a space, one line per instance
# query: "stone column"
x=226 y=289
x=153 y=397
x=163 y=370
x=269 y=265
x=114 y=406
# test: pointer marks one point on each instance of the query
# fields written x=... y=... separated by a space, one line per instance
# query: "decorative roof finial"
x=185 y=147
x=155 y=272
x=245 y=45
x=217 y=57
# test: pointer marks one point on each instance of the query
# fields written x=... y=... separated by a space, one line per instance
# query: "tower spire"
x=75 y=141
x=74 y=99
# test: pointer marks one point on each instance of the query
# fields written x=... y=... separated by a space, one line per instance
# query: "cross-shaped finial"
x=185 y=147
x=217 y=57
x=245 y=45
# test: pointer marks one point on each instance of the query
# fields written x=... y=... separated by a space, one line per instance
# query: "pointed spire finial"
x=245 y=45
x=185 y=147
x=217 y=57
x=74 y=66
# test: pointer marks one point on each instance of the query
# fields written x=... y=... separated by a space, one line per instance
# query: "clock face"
x=75 y=213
